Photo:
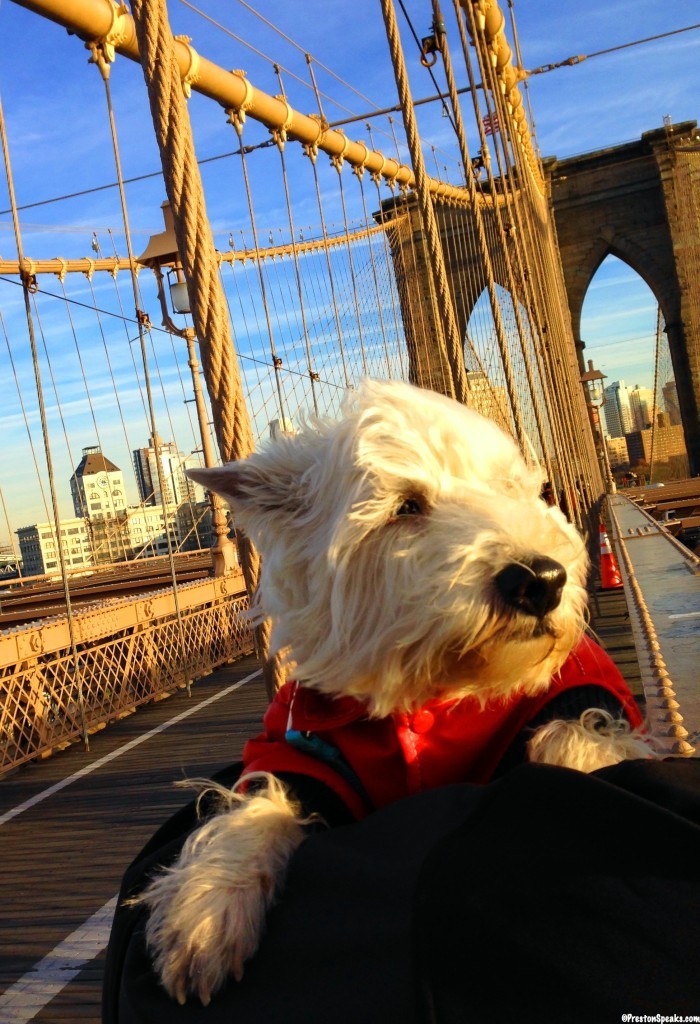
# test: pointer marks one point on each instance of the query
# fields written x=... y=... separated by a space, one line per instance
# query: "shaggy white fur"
x=381 y=536
x=208 y=911
x=595 y=741
x=406 y=555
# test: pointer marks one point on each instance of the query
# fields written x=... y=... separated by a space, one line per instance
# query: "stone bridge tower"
x=640 y=202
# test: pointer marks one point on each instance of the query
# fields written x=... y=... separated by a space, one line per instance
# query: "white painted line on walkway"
x=46 y=793
x=22 y=1001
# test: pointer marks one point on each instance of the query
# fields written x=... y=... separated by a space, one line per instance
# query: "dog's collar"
x=311 y=711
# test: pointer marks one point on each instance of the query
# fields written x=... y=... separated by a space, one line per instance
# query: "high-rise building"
x=618 y=416
x=670 y=393
x=642 y=407
x=146 y=528
x=668 y=442
x=488 y=399
x=617 y=451
x=177 y=487
x=97 y=486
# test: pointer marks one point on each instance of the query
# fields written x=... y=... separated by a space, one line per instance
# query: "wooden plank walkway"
x=64 y=855
x=610 y=624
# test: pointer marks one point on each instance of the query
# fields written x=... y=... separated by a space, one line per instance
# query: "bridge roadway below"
x=662 y=580
x=70 y=825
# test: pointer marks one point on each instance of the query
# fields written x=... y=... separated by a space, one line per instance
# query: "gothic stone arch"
x=625 y=201
x=465 y=271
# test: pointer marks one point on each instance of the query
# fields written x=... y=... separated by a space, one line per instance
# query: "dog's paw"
x=596 y=740
x=200 y=932
x=207 y=912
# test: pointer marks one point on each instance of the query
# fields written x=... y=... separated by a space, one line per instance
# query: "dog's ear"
x=262 y=484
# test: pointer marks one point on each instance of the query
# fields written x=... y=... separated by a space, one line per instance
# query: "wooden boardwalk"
x=64 y=854
x=610 y=624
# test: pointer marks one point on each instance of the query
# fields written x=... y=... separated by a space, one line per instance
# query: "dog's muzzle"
x=533 y=587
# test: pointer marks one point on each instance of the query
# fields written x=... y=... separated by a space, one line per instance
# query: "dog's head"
x=406 y=553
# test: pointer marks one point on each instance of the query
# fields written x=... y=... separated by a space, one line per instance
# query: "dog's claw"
x=197 y=962
x=181 y=992
x=237 y=970
x=207 y=912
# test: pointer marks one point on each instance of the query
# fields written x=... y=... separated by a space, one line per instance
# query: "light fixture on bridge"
x=161 y=254
x=178 y=294
x=592 y=381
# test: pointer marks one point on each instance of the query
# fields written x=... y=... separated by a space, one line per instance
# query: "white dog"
x=433 y=608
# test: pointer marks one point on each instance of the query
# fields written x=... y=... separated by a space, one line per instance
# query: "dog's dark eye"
x=409 y=507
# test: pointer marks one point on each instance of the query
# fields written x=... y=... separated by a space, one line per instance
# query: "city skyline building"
x=177 y=486
x=97 y=485
x=488 y=399
x=617 y=451
x=641 y=401
x=107 y=530
x=670 y=395
x=39 y=550
x=668 y=442
x=617 y=412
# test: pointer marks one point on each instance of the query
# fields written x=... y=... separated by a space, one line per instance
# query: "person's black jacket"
x=548 y=897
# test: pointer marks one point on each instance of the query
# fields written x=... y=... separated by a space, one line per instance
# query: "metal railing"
x=124 y=653
x=662 y=585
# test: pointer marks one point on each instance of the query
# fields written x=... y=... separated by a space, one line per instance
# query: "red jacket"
x=371 y=762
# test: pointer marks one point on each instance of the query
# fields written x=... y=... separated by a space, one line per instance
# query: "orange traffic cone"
x=610 y=578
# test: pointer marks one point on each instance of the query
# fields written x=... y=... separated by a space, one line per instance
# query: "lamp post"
x=592 y=381
x=161 y=253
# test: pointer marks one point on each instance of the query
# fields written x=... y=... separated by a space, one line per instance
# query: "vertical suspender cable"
x=237 y=123
x=103 y=66
x=311 y=152
x=27 y=286
x=418 y=311
x=449 y=339
x=337 y=162
x=483 y=248
x=26 y=419
x=359 y=172
x=120 y=533
x=15 y=554
x=537 y=302
x=280 y=138
x=656 y=386
x=196 y=247
x=59 y=410
x=377 y=178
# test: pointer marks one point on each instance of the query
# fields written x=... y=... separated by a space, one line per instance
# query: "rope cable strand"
x=192 y=229
x=99 y=58
x=448 y=339
x=77 y=668
x=484 y=253
x=526 y=245
x=579 y=58
x=197 y=252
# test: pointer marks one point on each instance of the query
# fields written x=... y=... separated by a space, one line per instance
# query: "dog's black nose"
x=532 y=587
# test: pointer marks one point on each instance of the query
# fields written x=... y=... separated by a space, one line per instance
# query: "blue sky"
x=55 y=114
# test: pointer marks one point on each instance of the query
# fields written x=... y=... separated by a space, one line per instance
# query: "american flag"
x=491 y=125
